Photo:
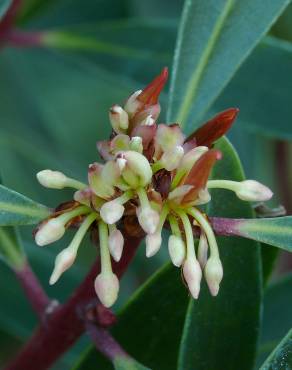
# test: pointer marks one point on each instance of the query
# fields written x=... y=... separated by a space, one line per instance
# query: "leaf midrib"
x=197 y=75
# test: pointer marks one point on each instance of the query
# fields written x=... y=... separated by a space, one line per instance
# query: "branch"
x=64 y=326
x=33 y=289
x=104 y=342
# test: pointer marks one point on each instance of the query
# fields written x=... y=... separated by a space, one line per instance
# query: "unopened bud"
x=116 y=244
x=171 y=159
x=50 y=232
x=193 y=274
x=111 y=212
x=119 y=119
x=177 y=250
x=107 y=288
x=148 y=219
x=137 y=171
x=153 y=243
x=253 y=191
x=203 y=250
x=203 y=197
x=63 y=262
x=136 y=144
x=133 y=104
x=52 y=179
x=148 y=121
x=213 y=274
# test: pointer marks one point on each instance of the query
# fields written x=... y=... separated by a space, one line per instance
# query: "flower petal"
x=215 y=128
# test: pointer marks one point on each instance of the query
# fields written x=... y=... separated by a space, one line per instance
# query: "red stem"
x=65 y=325
x=104 y=342
x=9 y=18
x=33 y=289
x=20 y=38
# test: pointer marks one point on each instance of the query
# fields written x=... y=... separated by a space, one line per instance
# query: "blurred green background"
x=54 y=103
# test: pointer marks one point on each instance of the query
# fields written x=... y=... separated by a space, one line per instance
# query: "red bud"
x=215 y=128
x=150 y=94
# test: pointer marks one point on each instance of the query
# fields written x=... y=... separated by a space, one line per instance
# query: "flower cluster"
x=156 y=173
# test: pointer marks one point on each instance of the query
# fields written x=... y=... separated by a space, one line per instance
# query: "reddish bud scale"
x=215 y=128
x=150 y=94
x=199 y=174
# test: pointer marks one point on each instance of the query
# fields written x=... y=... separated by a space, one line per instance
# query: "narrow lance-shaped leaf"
x=277 y=318
x=11 y=251
x=16 y=209
x=211 y=33
x=273 y=231
x=281 y=357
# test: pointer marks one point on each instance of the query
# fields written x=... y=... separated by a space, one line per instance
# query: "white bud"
x=148 y=219
x=50 y=232
x=107 y=288
x=121 y=162
x=63 y=262
x=177 y=250
x=253 y=191
x=203 y=250
x=148 y=121
x=136 y=144
x=191 y=157
x=213 y=274
x=171 y=159
x=111 y=212
x=116 y=244
x=133 y=104
x=119 y=118
x=137 y=168
x=153 y=243
x=203 y=197
x=193 y=274
x=52 y=179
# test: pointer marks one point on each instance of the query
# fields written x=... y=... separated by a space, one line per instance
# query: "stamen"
x=249 y=190
x=54 y=228
x=106 y=283
x=188 y=233
x=148 y=218
x=153 y=241
x=191 y=267
x=57 y=180
x=67 y=256
x=213 y=269
x=112 y=211
x=116 y=242
x=203 y=250
x=176 y=246
x=207 y=229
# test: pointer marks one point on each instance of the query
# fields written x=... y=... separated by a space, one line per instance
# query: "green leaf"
x=212 y=33
x=277 y=319
x=281 y=357
x=16 y=209
x=11 y=251
x=4 y=6
x=273 y=231
x=213 y=325
x=149 y=327
x=263 y=110
x=126 y=363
